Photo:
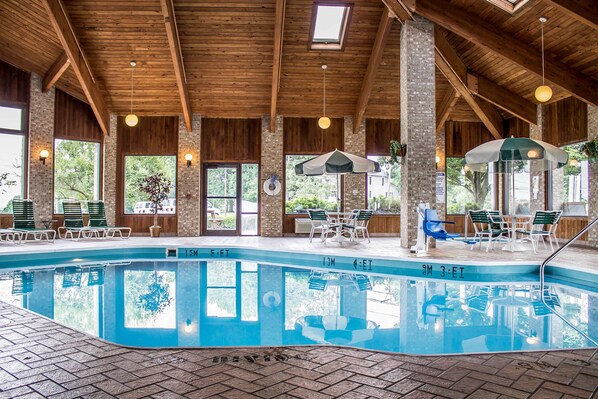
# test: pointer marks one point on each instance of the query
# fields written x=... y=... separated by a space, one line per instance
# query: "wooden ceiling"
x=227 y=50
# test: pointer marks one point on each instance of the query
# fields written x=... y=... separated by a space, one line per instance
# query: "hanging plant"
x=397 y=150
x=590 y=148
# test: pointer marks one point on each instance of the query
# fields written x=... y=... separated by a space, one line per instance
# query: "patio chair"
x=480 y=300
x=358 y=221
x=24 y=222
x=22 y=283
x=97 y=218
x=542 y=224
x=320 y=222
x=486 y=226
x=73 y=223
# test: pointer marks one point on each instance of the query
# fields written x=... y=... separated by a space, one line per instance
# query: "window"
x=249 y=198
x=138 y=167
x=12 y=142
x=225 y=297
x=308 y=192
x=329 y=26
x=466 y=189
x=384 y=187
x=76 y=172
x=569 y=185
x=150 y=299
x=523 y=190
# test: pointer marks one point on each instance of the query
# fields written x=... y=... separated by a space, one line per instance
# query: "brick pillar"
x=441 y=167
x=272 y=206
x=593 y=194
x=418 y=123
x=41 y=137
x=110 y=173
x=188 y=178
x=537 y=177
x=354 y=185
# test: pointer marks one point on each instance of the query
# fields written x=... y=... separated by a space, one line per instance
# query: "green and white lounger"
x=97 y=218
x=73 y=223
x=24 y=222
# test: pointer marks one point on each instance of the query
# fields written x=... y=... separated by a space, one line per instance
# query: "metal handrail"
x=542 y=270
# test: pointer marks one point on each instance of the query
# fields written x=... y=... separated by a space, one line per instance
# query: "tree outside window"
x=11 y=170
x=466 y=189
x=308 y=192
x=384 y=187
x=138 y=167
x=570 y=184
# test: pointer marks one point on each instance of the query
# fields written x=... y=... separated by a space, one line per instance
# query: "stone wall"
x=41 y=137
x=593 y=194
x=110 y=173
x=272 y=206
x=418 y=123
x=354 y=190
x=188 y=179
x=537 y=176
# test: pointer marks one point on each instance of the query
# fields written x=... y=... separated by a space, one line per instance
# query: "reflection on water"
x=232 y=303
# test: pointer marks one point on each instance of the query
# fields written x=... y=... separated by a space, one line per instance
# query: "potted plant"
x=157 y=188
x=397 y=150
x=590 y=148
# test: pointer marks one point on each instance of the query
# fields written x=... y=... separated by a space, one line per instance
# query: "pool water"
x=218 y=303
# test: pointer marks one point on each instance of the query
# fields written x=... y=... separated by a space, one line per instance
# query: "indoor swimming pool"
x=214 y=298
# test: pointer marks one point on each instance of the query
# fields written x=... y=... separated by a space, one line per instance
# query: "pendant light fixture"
x=543 y=93
x=324 y=121
x=132 y=119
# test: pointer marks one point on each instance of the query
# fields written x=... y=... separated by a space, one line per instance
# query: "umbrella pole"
x=338 y=193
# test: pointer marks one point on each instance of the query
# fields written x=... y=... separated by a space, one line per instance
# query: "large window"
x=231 y=290
x=384 y=187
x=138 y=167
x=76 y=172
x=308 y=192
x=466 y=189
x=523 y=192
x=570 y=184
x=329 y=28
x=12 y=143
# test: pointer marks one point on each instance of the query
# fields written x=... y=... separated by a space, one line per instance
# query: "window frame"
x=316 y=45
x=100 y=169
x=24 y=106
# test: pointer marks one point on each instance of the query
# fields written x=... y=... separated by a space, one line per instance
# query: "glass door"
x=230 y=200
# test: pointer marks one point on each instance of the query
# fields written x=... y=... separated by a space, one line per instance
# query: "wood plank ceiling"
x=227 y=52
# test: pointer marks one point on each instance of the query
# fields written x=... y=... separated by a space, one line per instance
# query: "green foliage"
x=76 y=168
x=397 y=150
x=157 y=297
x=307 y=192
x=136 y=284
x=302 y=204
x=466 y=189
x=383 y=204
x=249 y=183
x=590 y=148
x=138 y=167
x=76 y=306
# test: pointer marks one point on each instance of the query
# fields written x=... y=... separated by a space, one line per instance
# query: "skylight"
x=508 y=5
x=329 y=26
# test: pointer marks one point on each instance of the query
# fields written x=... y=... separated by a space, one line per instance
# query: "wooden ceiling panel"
x=462 y=112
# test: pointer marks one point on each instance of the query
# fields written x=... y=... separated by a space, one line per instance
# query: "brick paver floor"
x=40 y=358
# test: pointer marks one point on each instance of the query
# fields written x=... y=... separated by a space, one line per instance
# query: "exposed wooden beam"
x=374 y=63
x=445 y=107
x=455 y=71
x=502 y=98
x=177 y=59
x=399 y=9
x=55 y=72
x=70 y=44
x=580 y=12
x=470 y=27
x=276 y=61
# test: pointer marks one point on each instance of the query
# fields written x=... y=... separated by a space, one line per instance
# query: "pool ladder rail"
x=542 y=280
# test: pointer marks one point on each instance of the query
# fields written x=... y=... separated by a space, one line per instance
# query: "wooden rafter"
x=277 y=61
x=578 y=11
x=502 y=98
x=177 y=60
x=445 y=107
x=55 y=72
x=470 y=27
x=70 y=44
x=374 y=63
x=455 y=71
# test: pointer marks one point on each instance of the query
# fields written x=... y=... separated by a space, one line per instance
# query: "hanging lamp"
x=324 y=121
x=543 y=93
x=132 y=119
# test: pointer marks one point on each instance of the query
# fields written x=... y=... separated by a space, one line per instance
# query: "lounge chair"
x=24 y=222
x=22 y=283
x=486 y=225
x=320 y=222
x=95 y=275
x=71 y=277
x=97 y=219
x=10 y=236
x=359 y=221
x=73 y=223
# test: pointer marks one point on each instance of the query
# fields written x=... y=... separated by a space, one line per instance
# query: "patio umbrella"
x=505 y=152
x=336 y=163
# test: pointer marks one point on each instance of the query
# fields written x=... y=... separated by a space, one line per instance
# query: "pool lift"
x=429 y=225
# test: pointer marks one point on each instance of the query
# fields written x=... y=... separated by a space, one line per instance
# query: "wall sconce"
x=43 y=155
x=188 y=158
x=188 y=326
x=437 y=161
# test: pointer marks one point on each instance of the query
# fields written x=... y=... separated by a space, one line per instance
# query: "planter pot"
x=155 y=231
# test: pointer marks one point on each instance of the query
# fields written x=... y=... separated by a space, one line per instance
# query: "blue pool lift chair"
x=433 y=226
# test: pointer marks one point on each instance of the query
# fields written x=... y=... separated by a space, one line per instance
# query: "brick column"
x=537 y=177
x=418 y=123
x=441 y=167
x=41 y=137
x=272 y=206
x=354 y=185
x=188 y=178
x=110 y=173
x=593 y=194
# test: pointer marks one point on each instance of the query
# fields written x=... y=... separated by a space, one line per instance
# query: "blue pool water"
x=215 y=297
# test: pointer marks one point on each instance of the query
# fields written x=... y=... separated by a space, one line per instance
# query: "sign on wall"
x=440 y=188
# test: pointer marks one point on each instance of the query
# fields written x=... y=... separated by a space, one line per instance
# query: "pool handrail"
x=543 y=268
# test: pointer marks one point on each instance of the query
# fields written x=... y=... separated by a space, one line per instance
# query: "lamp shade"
x=131 y=120
x=324 y=122
x=44 y=154
x=543 y=93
